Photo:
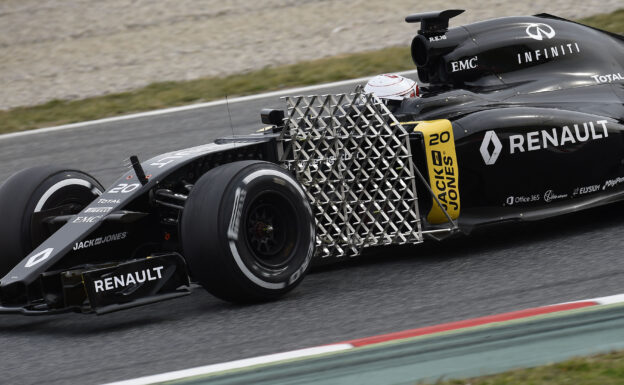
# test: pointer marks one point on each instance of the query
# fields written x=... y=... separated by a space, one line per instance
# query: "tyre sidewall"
x=210 y=214
x=19 y=196
x=239 y=195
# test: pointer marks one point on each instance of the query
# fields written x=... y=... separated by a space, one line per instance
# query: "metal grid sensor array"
x=353 y=159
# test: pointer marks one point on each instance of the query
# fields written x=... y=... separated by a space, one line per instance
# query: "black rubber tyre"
x=31 y=195
x=247 y=232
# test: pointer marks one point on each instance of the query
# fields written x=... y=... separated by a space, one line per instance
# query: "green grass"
x=613 y=22
x=169 y=94
x=603 y=369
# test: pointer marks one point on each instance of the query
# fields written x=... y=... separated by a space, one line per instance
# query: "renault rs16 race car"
x=521 y=118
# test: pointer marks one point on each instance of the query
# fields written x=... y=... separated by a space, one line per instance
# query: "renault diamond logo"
x=539 y=31
x=39 y=257
x=490 y=138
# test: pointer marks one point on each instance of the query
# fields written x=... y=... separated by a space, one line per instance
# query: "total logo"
x=540 y=31
x=109 y=201
x=608 y=78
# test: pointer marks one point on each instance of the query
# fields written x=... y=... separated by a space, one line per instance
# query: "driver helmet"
x=388 y=87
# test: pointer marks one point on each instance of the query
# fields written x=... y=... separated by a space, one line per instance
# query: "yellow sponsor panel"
x=443 y=168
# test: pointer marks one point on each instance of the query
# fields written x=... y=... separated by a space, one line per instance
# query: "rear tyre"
x=32 y=196
x=247 y=231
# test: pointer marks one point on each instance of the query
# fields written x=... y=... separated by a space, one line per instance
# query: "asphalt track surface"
x=504 y=269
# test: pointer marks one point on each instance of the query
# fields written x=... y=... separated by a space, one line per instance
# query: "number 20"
x=439 y=138
x=124 y=188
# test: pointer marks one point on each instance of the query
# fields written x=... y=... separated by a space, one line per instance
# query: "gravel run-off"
x=70 y=49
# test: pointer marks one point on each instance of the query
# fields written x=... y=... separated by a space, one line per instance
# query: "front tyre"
x=29 y=198
x=247 y=231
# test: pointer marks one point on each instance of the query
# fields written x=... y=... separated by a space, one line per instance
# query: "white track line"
x=203 y=370
x=618 y=298
x=610 y=300
x=273 y=358
x=189 y=107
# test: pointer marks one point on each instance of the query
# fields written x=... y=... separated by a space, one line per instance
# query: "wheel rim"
x=269 y=236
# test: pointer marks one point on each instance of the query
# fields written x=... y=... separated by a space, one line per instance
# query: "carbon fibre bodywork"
x=127 y=222
x=522 y=119
x=537 y=108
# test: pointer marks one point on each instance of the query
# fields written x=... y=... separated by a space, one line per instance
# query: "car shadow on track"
x=490 y=239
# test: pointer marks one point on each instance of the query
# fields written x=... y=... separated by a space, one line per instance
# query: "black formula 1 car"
x=522 y=119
